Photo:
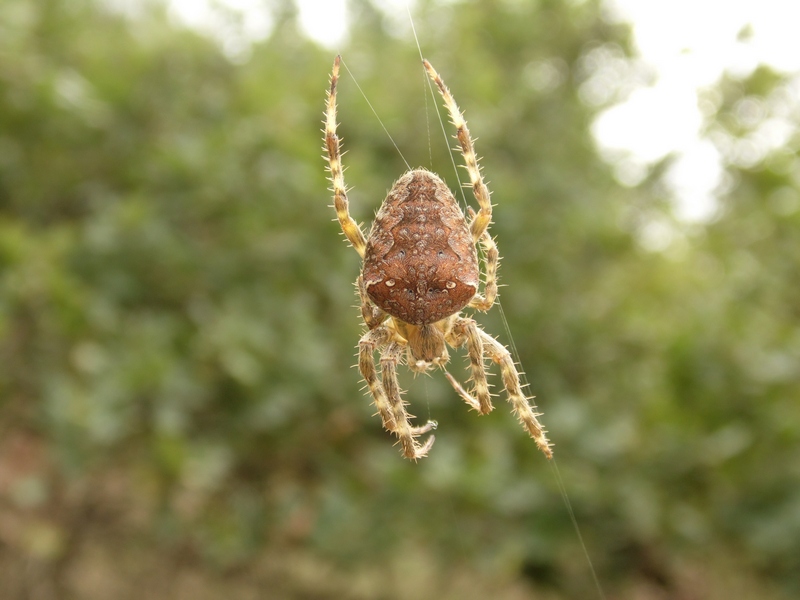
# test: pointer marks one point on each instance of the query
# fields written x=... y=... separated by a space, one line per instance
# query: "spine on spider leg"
x=479 y=189
x=468 y=331
x=386 y=392
x=522 y=407
x=366 y=365
x=486 y=301
x=520 y=403
x=492 y=260
x=371 y=314
x=350 y=228
x=406 y=433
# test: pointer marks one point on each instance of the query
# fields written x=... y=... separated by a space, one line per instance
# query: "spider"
x=420 y=269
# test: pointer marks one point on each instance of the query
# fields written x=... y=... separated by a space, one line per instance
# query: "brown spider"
x=420 y=269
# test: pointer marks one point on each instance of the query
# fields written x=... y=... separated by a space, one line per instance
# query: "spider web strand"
x=562 y=489
x=374 y=112
x=436 y=108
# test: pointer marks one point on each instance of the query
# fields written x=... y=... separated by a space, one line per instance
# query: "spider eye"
x=441 y=253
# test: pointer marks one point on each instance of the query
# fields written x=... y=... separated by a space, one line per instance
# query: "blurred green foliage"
x=177 y=409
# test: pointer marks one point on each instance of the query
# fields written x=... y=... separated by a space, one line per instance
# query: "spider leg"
x=371 y=341
x=386 y=392
x=350 y=228
x=465 y=395
x=372 y=315
x=520 y=405
x=389 y=361
x=481 y=221
x=465 y=331
x=486 y=301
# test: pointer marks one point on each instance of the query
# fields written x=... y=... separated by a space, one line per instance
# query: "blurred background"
x=179 y=415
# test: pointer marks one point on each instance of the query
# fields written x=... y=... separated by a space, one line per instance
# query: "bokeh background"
x=178 y=413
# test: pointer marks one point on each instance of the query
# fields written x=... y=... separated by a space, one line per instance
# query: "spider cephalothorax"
x=420 y=270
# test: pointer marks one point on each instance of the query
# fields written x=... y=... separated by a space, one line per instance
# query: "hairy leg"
x=372 y=315
x=481 y=221
x=465 y=395
x=403 y=428
x=350 y=228
x=486 y=301
x=465 y=331
x=523 y=409
x=386 y=392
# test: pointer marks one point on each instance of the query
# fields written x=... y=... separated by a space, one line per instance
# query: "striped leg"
x=481 y=221
x=465 y=331
x=372 y=315
x=524 y=411
x=386 y=392
x=350 y=228
x=486 y=301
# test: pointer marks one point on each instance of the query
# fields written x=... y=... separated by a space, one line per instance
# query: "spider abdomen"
x=420 y=263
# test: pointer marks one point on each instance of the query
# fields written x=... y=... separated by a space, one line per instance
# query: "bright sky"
x=686 y=44
x=690 y=44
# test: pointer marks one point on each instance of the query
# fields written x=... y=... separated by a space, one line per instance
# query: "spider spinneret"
x=420 y=269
